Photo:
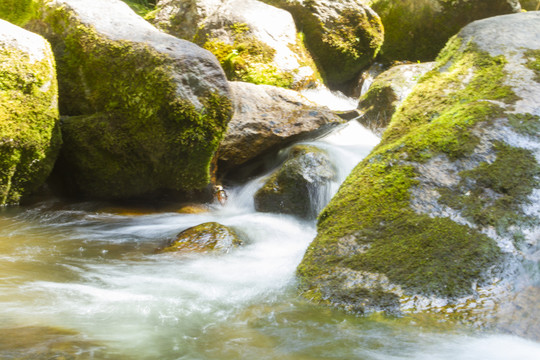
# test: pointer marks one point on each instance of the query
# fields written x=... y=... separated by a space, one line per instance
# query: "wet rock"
x=254 y=42
x=418 y=29
x=343 y=36
x=29 y=122
x=145 y=111
x=207 y=237
x=298 y=185
x=387 y=92
x=445 y=208
x=268 y=118
x=521 y=315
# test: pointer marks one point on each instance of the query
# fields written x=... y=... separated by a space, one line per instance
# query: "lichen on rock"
x=436 y=213
x=29 y=122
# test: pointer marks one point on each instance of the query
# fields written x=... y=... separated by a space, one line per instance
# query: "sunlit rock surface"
x=29 y=122
x=146 y=110
x=268 y=117
x=255 y=42
x=438 y=217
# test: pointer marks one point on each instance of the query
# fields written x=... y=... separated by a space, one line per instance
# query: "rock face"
x=343 y=36
x=207 y=237
x=298 y=185
x=267 y=117
x=147 y=110
x=387 y=92
x=254 y=42
x=434 y=215
x=418 y=29
x=29 y=123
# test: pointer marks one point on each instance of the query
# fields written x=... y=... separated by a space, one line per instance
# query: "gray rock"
x=298 y=185
x=267 y=118
x=225 y=26
x=147 y=109
x=445 y=210
x=387 y=92
x=29 y=122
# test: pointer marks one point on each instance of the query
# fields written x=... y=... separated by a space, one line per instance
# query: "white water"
x=95 y=272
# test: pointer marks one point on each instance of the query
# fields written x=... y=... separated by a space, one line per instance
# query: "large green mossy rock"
x=29 y=122
x=299 y=186
x=343 y=36
x=418 y=29
x=145 y=111
x=432 y=218
x=253 y=41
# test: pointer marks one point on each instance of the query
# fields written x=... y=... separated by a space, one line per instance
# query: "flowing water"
x=83 y=281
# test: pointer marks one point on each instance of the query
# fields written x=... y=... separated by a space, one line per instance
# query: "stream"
x=83 y=281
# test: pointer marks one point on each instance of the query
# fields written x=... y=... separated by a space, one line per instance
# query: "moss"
x=248 y=59
x=18 y=12
x=417 y=30
x=130 y=133
x=525 y=124
x=511 y=178
x=141 y=7
x=423 y=254
x=533 y=62
x=29 y=133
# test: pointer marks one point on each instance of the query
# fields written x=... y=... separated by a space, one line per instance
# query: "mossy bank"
x=432 y=217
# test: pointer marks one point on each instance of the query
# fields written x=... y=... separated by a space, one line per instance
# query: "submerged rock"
x=418 y=29
x=254 y=42
x=267 y=118
x=207 y=237
x=387 y=92
x=298 y=185
x=146 y=110
x=433 y=218
x=343 y=36
x=29 y=122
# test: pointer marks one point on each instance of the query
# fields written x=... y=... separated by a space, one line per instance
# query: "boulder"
x=446 y=206
x=207 y=237
x=387 y=92
x=268 y=118
x=297 y=186
x=530 y=5
x=146 y=111
x=416 y=30
x=343 y=36
x=254 y=42
x=29 y=122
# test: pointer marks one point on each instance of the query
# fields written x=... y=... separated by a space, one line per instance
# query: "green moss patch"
x=248 y=59
x=533 y=62
x=17 y=11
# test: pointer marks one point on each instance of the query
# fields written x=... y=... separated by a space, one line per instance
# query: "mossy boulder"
x=253 y=41
x=145 y=111
x=343 y=36
x=416 y=30
x=29 y=122
x=268 y=118
x=207 y=237
x=299 y=186
x=530 y=5
x=387 y=92
x=436 y=215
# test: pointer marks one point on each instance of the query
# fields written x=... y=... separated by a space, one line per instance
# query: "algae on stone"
x=29 y=130
x=403 y=224
x=146 y=110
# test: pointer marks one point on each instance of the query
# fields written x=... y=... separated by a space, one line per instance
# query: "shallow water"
x=83 y=281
